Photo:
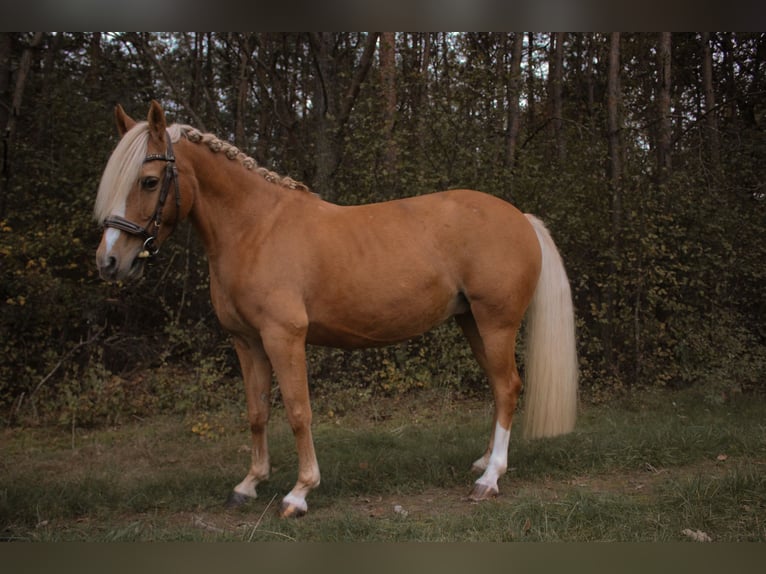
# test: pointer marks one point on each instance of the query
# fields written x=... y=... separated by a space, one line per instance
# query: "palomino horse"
x=287 y=269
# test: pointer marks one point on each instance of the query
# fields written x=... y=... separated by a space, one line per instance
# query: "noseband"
x=150 y=237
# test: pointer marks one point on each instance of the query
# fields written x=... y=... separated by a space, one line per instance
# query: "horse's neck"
x=228 y=198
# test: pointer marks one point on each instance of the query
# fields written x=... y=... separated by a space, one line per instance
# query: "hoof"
x=289 y=510
x=236 y=499
x=482 y=492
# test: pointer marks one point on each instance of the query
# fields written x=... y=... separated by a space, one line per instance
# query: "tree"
x=711 y=119
x=514 y=94
x=556 y=87
x=6 y=50
x=12 y=108
x=334 y=55
x=388 y=93
x=614 y=175
x=668 y=286
x=614 y=129
x=664 y=135
x=531 y=80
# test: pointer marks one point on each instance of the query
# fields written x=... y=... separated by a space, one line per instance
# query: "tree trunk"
x=6 y=50
x=514 y=91
x=332 y=108
x=196 y=53
x=10 y=116
x=556 y=83
x=664 y=134
x=388 y=89
x=243 y=90
x=422 y=91
x=614 y=127
x=590 y=77
x=21 y=80
x=729 y=80
x=614 y=174
x=711 y=119
x=94 y=70
x=531 y=107
x=325 y=111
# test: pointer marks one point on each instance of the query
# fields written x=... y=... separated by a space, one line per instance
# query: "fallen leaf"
x=400 y=511
x=696 y=535
x=376 y=512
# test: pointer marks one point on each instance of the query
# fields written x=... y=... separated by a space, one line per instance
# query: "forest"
x=642 y=152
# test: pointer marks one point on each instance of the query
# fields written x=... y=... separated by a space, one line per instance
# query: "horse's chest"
x=230 y=306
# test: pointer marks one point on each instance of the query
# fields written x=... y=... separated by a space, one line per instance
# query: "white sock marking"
x=296 y=501
x=498 y=460
x=247 y=487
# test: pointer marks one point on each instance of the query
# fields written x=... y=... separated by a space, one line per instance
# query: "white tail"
x=550 y=395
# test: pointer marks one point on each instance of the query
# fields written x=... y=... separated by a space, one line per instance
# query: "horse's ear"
x=124 y=121
x=157 y=124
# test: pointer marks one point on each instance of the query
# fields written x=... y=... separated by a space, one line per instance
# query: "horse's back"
x=447 y=219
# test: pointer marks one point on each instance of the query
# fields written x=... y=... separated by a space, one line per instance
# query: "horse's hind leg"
x=468 y=324
x=256 y=372
x=494 y=347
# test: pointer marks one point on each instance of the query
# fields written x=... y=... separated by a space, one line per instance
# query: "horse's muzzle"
x=109 y=268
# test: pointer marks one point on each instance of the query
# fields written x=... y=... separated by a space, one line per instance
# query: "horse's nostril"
x=108 y=267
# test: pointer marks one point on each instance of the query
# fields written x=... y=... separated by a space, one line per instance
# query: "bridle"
x=151 y=248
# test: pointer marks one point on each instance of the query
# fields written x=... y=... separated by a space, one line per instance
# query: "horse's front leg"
x=287 y=350
x=256 y=372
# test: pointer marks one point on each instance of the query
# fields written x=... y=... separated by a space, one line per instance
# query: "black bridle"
x=151 y=248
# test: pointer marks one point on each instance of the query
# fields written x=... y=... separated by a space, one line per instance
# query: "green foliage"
x=668 y=290
x=440 y=359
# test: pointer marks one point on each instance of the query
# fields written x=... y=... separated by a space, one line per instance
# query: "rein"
x=151 y=248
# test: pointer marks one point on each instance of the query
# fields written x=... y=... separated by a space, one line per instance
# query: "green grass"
x=643 y=469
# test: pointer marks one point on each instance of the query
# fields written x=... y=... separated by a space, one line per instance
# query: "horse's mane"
x=124 y=165
x=232 y=152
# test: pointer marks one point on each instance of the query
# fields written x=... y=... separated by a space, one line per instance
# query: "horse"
x=289 y=269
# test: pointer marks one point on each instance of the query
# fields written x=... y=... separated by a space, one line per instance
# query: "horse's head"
x=138 y=200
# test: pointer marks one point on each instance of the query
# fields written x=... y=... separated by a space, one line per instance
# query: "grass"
x=643 y=469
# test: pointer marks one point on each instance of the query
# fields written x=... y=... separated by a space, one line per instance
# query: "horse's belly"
x=376 y=325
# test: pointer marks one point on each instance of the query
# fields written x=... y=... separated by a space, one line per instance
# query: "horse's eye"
x=149 y=183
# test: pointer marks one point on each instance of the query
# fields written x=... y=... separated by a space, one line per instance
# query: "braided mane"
x=232 y=152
